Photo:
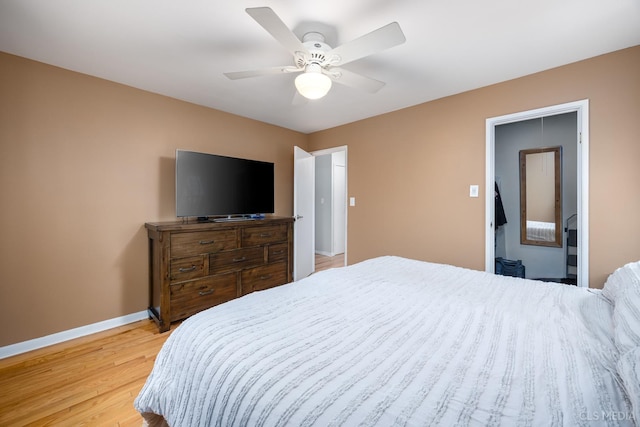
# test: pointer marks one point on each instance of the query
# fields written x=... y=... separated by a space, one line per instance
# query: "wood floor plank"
x=66 y=393
x=64 y=378
x=324 y=262
x=105 y=409
x=88 y=381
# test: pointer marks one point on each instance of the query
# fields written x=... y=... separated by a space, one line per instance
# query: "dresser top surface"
x=193 y=224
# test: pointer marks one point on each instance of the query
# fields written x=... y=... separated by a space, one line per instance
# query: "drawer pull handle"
x=204 y=293
x=278 y=252
x=265 y=235
x=186 y=270
x=266 y=277
x=239 y=259
x=206 y=242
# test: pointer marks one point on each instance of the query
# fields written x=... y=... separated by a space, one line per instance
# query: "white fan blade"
x=378 y=40
x=271 y=22
x=235 y=75
x=351 y=79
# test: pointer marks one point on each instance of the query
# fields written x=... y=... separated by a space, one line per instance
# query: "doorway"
x=580 y=108
x=330 y=206
x=324 y=193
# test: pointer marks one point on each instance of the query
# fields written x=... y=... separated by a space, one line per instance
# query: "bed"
x=541 y=231
x=397 y=342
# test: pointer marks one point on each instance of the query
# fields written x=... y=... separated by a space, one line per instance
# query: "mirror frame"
x=557 y=202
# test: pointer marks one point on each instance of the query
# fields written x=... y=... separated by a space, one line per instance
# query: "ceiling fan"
x=319 y=63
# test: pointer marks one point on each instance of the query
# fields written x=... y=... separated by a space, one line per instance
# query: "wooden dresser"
x=196 y=265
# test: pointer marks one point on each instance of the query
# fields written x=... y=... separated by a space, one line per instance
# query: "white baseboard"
x=34 y=344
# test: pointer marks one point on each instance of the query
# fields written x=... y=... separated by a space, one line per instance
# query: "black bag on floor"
x=507 y=267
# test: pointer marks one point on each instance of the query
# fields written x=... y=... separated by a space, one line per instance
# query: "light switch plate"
x=352 y=201
x=473 y=191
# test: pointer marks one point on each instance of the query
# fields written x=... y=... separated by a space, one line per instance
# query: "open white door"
x=304 y=213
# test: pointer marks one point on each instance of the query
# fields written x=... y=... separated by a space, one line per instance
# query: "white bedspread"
x=394 y=342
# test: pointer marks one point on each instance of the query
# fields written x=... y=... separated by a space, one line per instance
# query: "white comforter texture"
x=395 y=342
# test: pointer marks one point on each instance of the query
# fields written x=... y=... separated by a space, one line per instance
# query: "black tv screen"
x=209 y=185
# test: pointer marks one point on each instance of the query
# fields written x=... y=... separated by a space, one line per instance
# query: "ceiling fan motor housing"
x=317 y=49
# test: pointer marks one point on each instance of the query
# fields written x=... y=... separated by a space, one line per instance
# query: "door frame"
x=346 y=188
x=581 y=107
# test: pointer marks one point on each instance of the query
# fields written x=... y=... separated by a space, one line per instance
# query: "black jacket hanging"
x=500 y=217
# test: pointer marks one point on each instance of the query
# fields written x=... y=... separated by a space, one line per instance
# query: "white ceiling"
x=181 y=48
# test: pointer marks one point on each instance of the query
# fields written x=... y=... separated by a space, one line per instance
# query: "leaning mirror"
x=541 y=197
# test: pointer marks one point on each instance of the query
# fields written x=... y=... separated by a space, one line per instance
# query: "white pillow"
x=622 y=288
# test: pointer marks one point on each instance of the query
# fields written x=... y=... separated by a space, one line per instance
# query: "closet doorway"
x=577 y=195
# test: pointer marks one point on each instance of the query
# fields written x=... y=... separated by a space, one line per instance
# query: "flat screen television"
x=208 y=185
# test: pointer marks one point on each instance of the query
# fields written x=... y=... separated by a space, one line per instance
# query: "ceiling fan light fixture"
x=312 y=84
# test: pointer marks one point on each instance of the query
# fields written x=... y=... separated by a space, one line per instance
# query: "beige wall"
x=84 y=163
x=410 y=170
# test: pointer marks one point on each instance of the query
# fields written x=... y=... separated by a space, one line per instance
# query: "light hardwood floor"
x=325 y=262
x=87 y=381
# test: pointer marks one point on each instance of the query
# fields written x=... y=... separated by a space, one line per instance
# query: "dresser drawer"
x=190 y=244
x=236 y=259
x=254 y=236
x=187 y=268
x=265 y=277
x=278 y=252
x=188 y=298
